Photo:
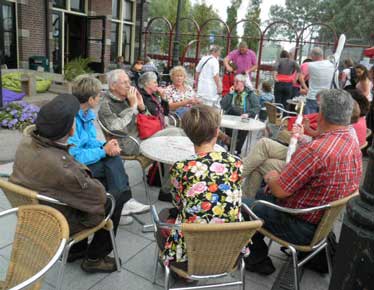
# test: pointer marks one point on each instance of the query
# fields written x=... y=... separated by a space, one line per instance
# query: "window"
x=59 y=4
x=114 y=41
x=127 y=7
x=126 y=42
x=122 y=29
x=56 y=43
x=115 y=9
x=77 y=5
x=8 y=39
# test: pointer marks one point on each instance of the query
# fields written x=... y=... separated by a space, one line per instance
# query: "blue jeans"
x=311 y=107
x=282 y=225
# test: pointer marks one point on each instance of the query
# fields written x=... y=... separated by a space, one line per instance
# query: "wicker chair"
x=319 y=241
x=18 y=196
x=40 y=238
x=213 y=251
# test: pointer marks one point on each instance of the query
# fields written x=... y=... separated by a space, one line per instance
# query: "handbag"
x=147 y=125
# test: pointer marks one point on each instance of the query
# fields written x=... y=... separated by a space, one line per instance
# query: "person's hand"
x=297 y=129
x=271 y=175
x=194 y=101
x=161 y=91
x=232 y=89
x=139 y=100
x=131 y=96
x=112 y=148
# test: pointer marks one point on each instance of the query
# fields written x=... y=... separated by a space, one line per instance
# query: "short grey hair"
x=243 y=44
x=316 y=52
x=336 y=106
x=113 y=75
x=214 y=49
x=146 y=78
x=241 y=78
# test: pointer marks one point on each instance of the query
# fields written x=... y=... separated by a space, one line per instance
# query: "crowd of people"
x=63 y=158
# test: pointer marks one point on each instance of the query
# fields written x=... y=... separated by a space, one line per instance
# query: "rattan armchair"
x=319 y=241
x=213 y=251
x=19 y=195
x=39 y=241
x=276 y=120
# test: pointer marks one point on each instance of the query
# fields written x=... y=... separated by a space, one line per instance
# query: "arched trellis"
x=262 y=33
x=197 y=29
x=249 y=21
x=321 y=24
x=147 y=32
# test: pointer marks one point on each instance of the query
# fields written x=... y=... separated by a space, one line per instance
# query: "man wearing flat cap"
x=43 y=164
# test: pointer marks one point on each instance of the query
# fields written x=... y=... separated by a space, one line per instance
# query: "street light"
x=176 y=38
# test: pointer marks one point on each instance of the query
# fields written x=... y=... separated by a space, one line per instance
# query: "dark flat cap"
x=55 y=119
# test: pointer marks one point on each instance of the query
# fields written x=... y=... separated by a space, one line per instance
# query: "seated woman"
x=156 y=103
x=360 y=125
x=181 y=96
x=241 y=101
x=207 y=186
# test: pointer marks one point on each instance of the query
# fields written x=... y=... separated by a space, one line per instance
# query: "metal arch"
x=190 y=19
x=228 y=35
x=319 y=24
x=249 y=21
x=262 y=44
x=197 y=27
x=146 y=32
x=186 y=49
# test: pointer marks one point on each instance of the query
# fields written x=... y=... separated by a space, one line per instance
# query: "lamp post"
x=1 y=80
x=354 y=259
x=176 y=37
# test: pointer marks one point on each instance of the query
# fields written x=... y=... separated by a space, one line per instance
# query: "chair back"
x=215 y=248
x=329 y=217
x=271 y=110
x=40 y=237
x=18 y=195
x=27 y=131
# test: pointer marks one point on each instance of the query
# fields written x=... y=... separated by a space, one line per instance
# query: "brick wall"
x=31 y=30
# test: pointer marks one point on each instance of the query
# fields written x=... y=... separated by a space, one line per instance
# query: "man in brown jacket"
x=43 y=164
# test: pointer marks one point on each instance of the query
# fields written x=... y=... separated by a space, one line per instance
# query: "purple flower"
x=4 y=122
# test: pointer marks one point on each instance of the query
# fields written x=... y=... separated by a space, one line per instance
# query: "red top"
x=324 y=170
x=360 y=128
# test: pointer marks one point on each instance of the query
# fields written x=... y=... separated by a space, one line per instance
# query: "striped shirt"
x=324 y=170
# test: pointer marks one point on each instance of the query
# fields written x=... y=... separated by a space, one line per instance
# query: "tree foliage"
x=232 y=18
x=251 y=33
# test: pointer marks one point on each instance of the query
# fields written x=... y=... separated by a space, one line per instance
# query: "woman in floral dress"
x=207 y=186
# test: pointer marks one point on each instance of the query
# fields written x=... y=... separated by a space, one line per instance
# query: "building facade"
x=63 y=30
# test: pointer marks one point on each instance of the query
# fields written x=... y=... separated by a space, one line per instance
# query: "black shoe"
x=165 y=196
x=264 y=267
x=73 y=256
x=100 y=265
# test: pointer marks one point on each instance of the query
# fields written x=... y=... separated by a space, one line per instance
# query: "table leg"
x=249 y=142
x=234 y=139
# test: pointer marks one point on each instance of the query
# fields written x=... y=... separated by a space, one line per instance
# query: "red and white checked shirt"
x=324 y=170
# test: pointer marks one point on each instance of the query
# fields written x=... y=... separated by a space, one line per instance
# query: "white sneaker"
x=133 y=206
x=126 y=220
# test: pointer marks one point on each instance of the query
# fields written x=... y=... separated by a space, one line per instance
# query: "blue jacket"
x=86 y=148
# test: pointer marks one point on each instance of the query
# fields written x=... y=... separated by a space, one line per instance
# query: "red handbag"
x=147 y=125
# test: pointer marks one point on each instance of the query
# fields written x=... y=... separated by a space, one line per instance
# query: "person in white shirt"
x=207 y=79
x=321 y=73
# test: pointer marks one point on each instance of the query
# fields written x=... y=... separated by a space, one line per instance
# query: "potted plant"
x=74 y=68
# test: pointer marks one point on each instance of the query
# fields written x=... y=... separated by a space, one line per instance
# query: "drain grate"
x=284 y=280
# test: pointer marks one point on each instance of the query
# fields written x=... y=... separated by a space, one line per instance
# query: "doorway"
x=75 y=37
x=8 y=39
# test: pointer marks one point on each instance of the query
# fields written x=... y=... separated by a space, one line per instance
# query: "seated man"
x=119 y=108
x=324 y=170
x=43 y=164
x=102 y=158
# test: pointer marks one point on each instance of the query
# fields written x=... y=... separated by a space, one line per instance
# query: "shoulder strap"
x=209 y=58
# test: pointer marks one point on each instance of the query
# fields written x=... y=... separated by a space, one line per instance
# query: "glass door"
x=8 y=39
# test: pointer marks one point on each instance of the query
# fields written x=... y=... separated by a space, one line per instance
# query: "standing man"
x=321 y=73
x=207 y=79
x=244 y=59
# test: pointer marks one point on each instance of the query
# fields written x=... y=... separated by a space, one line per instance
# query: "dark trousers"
x=111 y=173
x=282 y=93
x=282 y=225
x=242 y=134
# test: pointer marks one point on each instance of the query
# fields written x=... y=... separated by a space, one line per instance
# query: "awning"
x=369 y=52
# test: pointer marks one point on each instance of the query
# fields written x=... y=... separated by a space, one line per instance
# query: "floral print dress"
x=206 y=189
x=175 y=95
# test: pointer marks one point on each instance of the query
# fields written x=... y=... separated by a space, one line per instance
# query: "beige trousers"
x=266 y=155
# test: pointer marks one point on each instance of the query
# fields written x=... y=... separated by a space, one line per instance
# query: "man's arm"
x=271 y=179
x=226 y=64
x=115 y=122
